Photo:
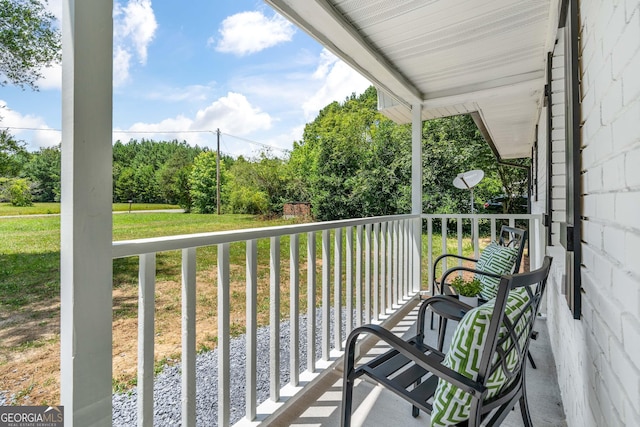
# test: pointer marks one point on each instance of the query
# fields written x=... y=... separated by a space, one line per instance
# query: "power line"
x=250 y=141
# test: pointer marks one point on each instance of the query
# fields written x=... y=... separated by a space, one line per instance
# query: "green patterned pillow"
x=494 y=259
x=450 y=404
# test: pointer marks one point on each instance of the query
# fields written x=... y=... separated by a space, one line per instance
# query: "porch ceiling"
x=451 y=56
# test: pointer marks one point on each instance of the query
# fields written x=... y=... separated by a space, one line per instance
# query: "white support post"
x=189 y=337
x=416 y=194
x=274 y=312
x=383 y=270
x=396 y=263
x=252 y=328
x=326 y=296
x=146 y=308
x=432 y=272
x=349 y=281
x=337 y=290
x=86 y=265
x=224 y=331
x=359 y=275
x=367 y=273
x=311 y=301
x=376 y=271
x=294 y=310
x=390 y=292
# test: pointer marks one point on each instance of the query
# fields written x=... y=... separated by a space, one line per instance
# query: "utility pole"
x=218 y=173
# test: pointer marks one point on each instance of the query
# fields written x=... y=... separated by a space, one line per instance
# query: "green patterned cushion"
x=450 y=404
x=494 y=259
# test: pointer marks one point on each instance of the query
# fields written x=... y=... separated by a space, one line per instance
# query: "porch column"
x=85 y=226
x=416 y=193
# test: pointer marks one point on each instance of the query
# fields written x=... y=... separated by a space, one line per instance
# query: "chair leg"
x=524 y=409
x=533 y=364
x=347 y=400
x=415 y=411
x=442 y=330
x=524 y=405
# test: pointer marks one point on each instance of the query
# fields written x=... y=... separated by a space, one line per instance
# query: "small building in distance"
x=296 y=210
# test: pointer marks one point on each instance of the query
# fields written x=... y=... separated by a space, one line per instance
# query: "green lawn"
x=54 y=208
x=30 y=249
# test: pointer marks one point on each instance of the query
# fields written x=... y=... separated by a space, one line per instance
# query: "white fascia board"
x=503 y=88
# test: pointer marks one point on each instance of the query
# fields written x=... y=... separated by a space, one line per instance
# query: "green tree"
x=264 y=177
x=202 y=181
x=29 y=40
x=11 y=153
x=43 y=169
x=20 y=193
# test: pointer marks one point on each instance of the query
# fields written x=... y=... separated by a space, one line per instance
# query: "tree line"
x=351 y=162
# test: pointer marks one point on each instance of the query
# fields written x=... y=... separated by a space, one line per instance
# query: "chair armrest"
x=448 y=299
x=437 y=284
x=443 y=256
x=452 y=270
x=428 y=362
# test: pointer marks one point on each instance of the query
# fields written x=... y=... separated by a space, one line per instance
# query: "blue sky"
x=229 y=64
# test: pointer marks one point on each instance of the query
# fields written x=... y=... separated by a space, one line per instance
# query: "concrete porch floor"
x=376 y=406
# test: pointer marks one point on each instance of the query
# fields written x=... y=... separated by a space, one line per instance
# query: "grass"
x=30 y=249
x=7 y=209
x=30 y=291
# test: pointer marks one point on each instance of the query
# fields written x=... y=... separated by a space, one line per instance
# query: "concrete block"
x=632 y=168
x=613 y=237
x=627 y=290
x=593 y=234
x=557 y=134
x=626 y=46
x=610 y=26
x=631 y=336
x=605 y=206
x=632 y=252
x=631 y=81
x=627 y=373
x=627 y=207
x=613 y=174
x=603 y=142
x=593 y=180
x=626 y=127
x=611 y=102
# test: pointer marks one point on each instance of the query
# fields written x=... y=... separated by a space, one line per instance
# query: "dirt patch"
x=30 y=337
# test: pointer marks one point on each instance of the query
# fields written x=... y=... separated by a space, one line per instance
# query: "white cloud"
x=34 y=139
x=232 y=114
x=250 y=32
x=121 y=62
x=339 y=81
x=191 y=93
x=134 y=27
x=51 y=78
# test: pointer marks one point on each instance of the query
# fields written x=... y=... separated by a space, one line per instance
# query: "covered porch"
x=479 y=58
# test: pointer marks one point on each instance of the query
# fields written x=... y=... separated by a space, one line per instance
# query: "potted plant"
x=467 y=290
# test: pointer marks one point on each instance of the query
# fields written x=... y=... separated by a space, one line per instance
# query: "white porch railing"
x=381 y=283
x=533 y=222
x=383 y=279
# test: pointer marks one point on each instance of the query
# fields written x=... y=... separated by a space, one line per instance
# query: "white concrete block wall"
x=598 y=356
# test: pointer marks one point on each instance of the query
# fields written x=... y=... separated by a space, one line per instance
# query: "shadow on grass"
x=27 y=278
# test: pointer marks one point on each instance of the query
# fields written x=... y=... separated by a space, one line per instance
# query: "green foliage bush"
x=246 y=200
x=19 y=193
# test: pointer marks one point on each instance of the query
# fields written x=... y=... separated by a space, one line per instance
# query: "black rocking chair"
x=413 y=370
